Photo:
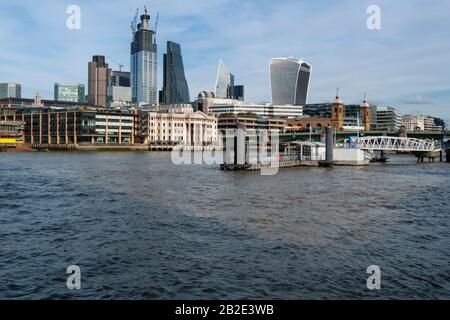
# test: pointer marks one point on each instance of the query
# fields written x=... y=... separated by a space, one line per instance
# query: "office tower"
x=119 y=90
x=10 y=90
x=120 y=78
x=225 y=87
x=224 y=82
x=98 y=81
x=387 y=119
x=175 y=87
x=289 y=79
x=69 y=92
x=144 y=63
x=239 y=92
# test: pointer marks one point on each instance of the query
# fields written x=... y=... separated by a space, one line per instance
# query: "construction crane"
x=156 y=24
x=116 y=62
x=134 y=22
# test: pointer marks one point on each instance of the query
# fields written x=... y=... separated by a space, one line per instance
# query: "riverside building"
x=78 y=126
x=208 y=103
x=387 y=119
x=178 y=124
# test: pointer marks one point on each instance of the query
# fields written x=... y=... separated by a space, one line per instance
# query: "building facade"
x=224 y=82
x=250 y=122
x=78 y=126
x=175 y=86
x=413 y=123
x=22 y=103
x=98 y=81
x=335 y=120
x=144 y=63
x=431 y=126
x=225 y=87
x=208 y=103
x=119 y=90
x=387 y=120
x=10 y=90
x=289 y=79
x=11 y=132
x=69 y=92
x=178 y=124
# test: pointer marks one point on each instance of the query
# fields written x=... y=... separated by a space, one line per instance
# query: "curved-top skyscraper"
x=144 y=63
x=289 y=80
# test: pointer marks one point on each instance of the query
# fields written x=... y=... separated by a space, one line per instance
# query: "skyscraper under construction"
x=143 y=62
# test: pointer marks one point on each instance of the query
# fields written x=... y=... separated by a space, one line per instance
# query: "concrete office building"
x=250 y=121
x=422 y=123
x=208 y=103
x=69 y=92
x=431 y=126
x=98 y=81
x=144 y=63
x=413 y=123
x=119 y=90
x=387 y=120
x=10 y=90
x=78 y=126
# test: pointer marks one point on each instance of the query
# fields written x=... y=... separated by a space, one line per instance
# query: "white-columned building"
x=179 y=124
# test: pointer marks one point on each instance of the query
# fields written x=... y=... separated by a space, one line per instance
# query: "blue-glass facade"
x=144 y=64
x=224 y=82
x=175 y=89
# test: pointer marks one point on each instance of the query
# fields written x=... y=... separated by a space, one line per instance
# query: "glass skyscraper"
x=144 y=63
x=175 y=88
x=289 y=79
x=10 y=90
x=224 y=82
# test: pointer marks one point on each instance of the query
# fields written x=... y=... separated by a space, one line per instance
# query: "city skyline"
x=404 y=64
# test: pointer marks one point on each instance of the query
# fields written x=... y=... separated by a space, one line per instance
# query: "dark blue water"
x=140 y=227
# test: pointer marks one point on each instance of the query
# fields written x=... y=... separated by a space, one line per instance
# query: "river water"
x=140 y=227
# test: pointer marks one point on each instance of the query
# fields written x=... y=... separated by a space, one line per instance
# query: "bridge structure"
x=401 y=144
x=342 y=136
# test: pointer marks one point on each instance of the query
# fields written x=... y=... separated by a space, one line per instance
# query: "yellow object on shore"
x=10 y=141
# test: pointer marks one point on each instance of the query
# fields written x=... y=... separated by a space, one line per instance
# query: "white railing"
x=397 y=144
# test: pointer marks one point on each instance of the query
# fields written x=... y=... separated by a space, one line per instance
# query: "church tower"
x=365 y=114
x=337 y=113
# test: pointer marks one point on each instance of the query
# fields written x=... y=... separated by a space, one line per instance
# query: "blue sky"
x=406 y=64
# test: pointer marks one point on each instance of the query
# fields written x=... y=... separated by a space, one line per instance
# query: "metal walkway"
x=385 y=143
